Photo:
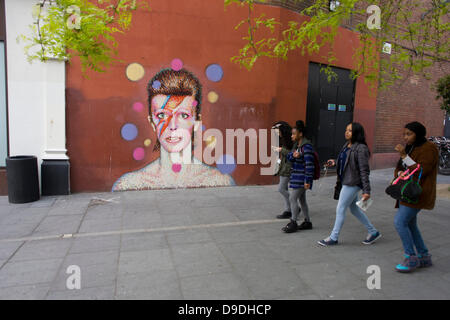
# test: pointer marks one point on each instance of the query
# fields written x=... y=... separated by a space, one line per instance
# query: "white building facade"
x=32 y=95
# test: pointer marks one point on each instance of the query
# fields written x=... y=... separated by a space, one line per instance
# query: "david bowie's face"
x=174 y=119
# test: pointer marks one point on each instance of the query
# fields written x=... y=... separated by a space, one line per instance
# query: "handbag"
x=337 y=190
x=405 y=188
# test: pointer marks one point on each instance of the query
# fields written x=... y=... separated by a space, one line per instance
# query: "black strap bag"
x=405 y=188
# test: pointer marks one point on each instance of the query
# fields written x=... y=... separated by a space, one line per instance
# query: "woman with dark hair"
x=353 y=174
x=418 y=151
x=283 y=129
x=301 y=177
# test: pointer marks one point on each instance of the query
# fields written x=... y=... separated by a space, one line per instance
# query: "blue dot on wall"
x=156 y=85
x=214 y=72
x=226 y=164
x=129 y=131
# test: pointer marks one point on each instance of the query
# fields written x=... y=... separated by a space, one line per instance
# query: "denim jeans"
x=347 y=199
x=283 y=189
x=405 y=222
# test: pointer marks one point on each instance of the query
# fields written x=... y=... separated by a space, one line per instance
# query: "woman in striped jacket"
x=301 y=178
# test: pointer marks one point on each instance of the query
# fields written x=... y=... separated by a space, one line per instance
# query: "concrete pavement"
x=217 y=243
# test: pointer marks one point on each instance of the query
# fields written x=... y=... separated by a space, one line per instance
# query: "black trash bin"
x=23 y=179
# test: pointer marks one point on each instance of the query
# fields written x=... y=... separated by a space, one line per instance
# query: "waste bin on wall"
x=23 y=179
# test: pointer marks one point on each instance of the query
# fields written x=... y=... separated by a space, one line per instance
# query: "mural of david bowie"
x=174 y=114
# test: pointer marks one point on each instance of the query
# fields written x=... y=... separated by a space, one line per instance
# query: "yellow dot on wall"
x=135 y=71
x=147 y=142
x=211 y=141
x=213 y=97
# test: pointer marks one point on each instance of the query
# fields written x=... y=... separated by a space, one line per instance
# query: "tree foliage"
x=442 y=87
x=87 y=29
x=418 y=30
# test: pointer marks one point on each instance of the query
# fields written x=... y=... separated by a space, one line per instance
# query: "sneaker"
x=305 y=225
x=285 y=215
x=424 y=261
x=327 y=242
x=372 y=238
x=408 y=265
x=291 y=227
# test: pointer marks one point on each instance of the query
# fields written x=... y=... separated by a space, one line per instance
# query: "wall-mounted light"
x=334 y=4
x=387 y=48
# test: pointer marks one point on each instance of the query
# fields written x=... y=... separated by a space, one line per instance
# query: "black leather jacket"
x=356 y=167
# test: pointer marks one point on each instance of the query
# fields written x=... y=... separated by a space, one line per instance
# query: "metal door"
x=329 y=110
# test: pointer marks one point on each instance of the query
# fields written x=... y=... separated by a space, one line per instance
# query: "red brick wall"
x=411 y=99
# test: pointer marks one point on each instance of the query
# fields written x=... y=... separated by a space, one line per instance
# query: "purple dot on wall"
x=138 y=154
x=129 y=131
x=156 y=84
x=226 y=164
x=138 y=106
x=203 y=127
x=214 y=72
x=176 y=64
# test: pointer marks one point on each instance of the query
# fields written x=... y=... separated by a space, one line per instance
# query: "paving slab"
x=143 y=241
x=219 y=286
x=97 y=269
x=98 y=293
x=95 y=244
x=145 y=261
x=199 y=259
x=29 y=272
x=28 y=292
x=42 y=250
x=155 y=285
x=57 y=225
x=100 y=225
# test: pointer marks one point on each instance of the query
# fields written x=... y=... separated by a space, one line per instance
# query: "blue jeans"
x=347 y=199
x=405 y=222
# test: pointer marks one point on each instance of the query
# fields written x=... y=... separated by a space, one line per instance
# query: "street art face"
x=174 y=119
x=174 y=97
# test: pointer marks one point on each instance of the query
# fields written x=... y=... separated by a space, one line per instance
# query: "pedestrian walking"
x=353 y=176
x=301 y=177
x=283 y=129
x=418 y=151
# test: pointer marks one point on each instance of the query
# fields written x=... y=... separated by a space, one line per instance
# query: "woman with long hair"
x=353 y=174
x=418 y=151
x=283 y=129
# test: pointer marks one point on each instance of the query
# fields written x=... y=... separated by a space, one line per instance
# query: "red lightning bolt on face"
x=172 y=104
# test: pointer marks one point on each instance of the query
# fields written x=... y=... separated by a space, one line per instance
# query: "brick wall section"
x=408 y=100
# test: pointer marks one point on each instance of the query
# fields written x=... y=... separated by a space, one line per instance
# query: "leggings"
x=294 y=196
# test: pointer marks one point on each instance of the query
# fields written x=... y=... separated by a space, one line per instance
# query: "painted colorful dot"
x=213 y=97
x=214 y=72
x=139 y=154
x=156 y=84
x=138 y=106
x=135 y=71
x=176 y=64
x=226 y=164
x=129 y=131
x=176 y=167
